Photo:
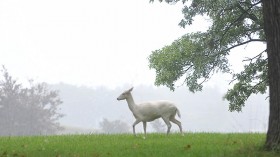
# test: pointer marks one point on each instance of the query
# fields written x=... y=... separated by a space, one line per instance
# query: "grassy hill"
x=93 y=145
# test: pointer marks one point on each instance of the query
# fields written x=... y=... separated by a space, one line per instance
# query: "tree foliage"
x=27 y=110
x=197 y=56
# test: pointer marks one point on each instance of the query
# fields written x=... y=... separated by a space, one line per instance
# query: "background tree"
x=158 y=126
x=27 y=111
x=113 y=127
x=197 y=56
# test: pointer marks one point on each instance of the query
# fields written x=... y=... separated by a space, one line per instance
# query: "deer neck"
x=130 y=102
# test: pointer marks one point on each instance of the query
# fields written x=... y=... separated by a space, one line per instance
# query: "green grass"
x=174 y=145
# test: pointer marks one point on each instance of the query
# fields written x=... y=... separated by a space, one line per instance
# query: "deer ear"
x=130 y=89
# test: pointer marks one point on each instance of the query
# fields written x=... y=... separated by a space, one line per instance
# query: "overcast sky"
x=92 y=43
x=85 y=42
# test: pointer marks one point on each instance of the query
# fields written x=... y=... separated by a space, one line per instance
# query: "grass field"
x=190 y=145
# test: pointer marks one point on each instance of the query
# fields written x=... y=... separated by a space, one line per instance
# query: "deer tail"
x=178 y=113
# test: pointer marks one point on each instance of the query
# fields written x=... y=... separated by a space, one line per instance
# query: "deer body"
x=149 y=111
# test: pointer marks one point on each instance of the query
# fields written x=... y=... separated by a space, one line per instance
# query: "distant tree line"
x=31 y=110
x=118 y=126
x=113 y=127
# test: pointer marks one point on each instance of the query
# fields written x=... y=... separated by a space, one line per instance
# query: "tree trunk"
x=271 y=15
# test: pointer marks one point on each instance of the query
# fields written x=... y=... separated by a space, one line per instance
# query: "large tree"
x=271 y=14
x=31 y=110
x=197 y=56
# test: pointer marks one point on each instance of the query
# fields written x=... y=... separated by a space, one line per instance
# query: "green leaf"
x=195 y=57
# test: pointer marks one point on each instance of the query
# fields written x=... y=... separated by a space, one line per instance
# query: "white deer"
x=149 y=111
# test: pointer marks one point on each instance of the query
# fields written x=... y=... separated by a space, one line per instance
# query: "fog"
x=96 y=48
x=205 y=111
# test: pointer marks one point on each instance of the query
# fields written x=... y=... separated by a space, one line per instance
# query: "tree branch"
x=187 y=69
x=243 y=43
x=255 y=86
x=257 y=56
x=239 y=18
x=251 y=16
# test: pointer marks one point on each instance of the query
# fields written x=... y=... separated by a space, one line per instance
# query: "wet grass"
x=96 y=145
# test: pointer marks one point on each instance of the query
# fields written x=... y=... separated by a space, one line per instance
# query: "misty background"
x=85 y=108
x=91 y=51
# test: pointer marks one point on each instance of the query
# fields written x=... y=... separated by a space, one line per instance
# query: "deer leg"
x=167 y=122
x=178 y=123
x=144 y=127
x=134 y=124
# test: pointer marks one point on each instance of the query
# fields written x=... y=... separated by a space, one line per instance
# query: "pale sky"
x=85 y=42
x=91 y=43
